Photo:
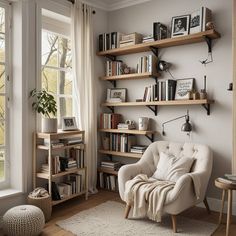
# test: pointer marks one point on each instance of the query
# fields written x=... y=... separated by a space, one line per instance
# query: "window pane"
x=2 y=79
x=2 y=133
x=49 y=49
x=65 y=53
x=65 y=107
x=2 y=165
x=65 y=83
x=2 y=20
x=2 y=47
x=49 y=80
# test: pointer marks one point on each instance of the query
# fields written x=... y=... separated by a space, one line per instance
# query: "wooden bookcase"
x=38 y=139
x=206 y=36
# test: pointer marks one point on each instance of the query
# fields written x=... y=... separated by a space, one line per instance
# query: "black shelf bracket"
x=209 y=44
x=150 y=137
x=153 y=108
x=155 y=78
x=154 y=51
x=111 y=57
x=208 y=108
x=113 y=83
x=111 y=108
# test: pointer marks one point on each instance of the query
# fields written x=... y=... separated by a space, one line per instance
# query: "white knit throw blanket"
x=147 y=196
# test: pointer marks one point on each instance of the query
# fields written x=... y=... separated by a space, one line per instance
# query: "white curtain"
x=83 y=68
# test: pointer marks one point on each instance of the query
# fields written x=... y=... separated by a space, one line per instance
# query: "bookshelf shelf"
x=68 y=198
x=121 y=154
x=53 y=164
x=107 y=171
x=63 y=173
x=163 y=43
x=134 y=76
x=79 y=146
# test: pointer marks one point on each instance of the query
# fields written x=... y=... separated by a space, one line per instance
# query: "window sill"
x=9 y=193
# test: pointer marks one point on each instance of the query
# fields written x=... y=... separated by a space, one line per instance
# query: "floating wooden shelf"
x=108 y=171
x=78 y=146
x=63 y=173
x=121 y=154
x=128 y=131
x=67 y=198
x=134 y=76
x=60 y=134
x=163 y=43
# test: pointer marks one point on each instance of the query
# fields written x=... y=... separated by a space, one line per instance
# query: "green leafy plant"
x=44 y=103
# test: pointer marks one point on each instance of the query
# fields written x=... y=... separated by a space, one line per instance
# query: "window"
x=56 y=71
x=4 y=90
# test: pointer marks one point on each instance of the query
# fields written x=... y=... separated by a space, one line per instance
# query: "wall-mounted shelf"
x=121 y=154
x=78 y=146
x=107 y=171
x=153 y=105
x=163 y=43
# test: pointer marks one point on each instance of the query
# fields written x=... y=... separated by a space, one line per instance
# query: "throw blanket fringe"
x=147 y=196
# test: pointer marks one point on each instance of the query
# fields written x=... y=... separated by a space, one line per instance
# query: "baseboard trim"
x=215 y=205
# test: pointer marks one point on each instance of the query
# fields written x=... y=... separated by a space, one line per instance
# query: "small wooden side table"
x=229 y=188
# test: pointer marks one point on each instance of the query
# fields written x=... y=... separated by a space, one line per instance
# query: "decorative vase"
x=49 y=125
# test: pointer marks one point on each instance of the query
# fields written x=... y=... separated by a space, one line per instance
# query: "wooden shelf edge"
x=129 y=131
x=121 y=154
x=68 y=198
x=59 y=134
x=133 y=76
x=163 y=43
x=43 y=147
x=107 y=171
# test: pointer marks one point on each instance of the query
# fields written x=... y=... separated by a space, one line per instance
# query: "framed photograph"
x=196 y=21
x=69 y=123
x=116 y=95
x=180 y=26
x=183 y=87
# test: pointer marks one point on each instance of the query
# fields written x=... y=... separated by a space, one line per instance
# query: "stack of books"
x=71 y=141
x=147 y=64
x=72 y=164
x=109 y=120
x=130 y=39
x=109 y=41
x=138 y=149
x=114 y=68
x=56 y=166
x=228 y=179
x=159 y=31
x=111 y=165
x=54 y=143
x=148 y=38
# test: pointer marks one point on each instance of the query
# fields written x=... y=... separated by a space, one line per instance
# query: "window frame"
x=8 y=75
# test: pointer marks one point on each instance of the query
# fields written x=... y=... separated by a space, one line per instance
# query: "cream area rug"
x=107 y=219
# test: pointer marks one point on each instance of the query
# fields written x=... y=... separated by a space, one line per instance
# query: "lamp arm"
x=163 y=132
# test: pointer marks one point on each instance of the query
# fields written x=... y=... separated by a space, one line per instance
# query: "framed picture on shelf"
x=116 y=95
x=180 y=26
x=183 y=88
x=69 y=123
x=196 y=21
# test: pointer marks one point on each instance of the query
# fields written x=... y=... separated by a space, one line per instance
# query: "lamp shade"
x=186 y=127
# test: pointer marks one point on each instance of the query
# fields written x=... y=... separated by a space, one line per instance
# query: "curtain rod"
x=73 y=2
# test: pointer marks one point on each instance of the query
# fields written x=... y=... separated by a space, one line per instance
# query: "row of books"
x=121 y=142
x=107 y=181
x=74 y=184
x=109 y=120
x=78 y=155
x=147 y=64
x=111 y=165
x=108 y=41
x=114 y=68
x=138 y=149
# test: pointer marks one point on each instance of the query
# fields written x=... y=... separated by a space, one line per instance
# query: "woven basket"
x=44 y=203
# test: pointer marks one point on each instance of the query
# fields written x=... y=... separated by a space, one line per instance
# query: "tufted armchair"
x=182 y=196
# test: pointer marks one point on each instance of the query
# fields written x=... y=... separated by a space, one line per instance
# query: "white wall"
x=214 y=130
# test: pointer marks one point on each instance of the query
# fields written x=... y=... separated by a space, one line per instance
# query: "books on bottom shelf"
x=111 y=165
x=108 y=181
x=138 y=149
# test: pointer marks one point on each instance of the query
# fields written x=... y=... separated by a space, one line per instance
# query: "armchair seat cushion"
x=171 y=167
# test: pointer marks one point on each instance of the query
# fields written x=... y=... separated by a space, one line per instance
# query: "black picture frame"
x=180 y=25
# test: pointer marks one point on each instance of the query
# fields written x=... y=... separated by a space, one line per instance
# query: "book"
x=170 y=89
x=159 y=31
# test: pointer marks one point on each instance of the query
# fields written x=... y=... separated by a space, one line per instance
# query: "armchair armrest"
x=125 y=173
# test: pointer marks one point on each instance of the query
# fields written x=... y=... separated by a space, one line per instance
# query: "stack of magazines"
x=138 y=149
x=111 y=165
x=228 y=179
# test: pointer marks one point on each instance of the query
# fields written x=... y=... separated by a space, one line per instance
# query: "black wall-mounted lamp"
x=186 y=127
x=164 y=66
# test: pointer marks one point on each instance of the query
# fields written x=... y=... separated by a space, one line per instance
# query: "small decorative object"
x=24 y=220
x=45 y=105
x=183 y=87
x=116 y=95
x=69 y=123
x=210 y=25
x=129 y=124
x=143 y=123
x=203 y=93
x=180 y=26
x=195 y=95
x=159 y=31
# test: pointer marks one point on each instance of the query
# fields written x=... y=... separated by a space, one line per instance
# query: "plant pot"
x=49 y=125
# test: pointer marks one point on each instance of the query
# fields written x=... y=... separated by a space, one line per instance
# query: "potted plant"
x=45 y=104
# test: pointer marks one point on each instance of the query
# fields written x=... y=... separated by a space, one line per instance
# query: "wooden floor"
x=74 y=206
